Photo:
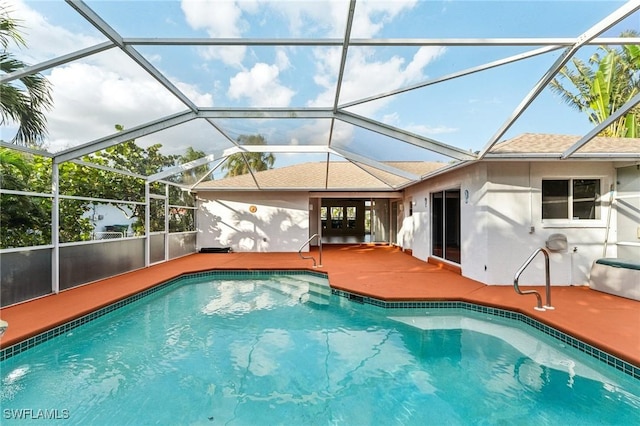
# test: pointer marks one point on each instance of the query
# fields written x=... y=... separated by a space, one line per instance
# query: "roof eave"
x=601 y=156
x=293 y=189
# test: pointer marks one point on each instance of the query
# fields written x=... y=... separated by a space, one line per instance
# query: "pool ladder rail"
x=319 y=249
x=548 y=305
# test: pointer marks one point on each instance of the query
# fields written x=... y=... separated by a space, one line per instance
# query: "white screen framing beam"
x=181 y=168
x=345 y=51
x=375 y=164
x=23 y=72
x=108 y=169
x=373 y=42
x=455 y=75
x=413 y=139
x=600 y=127
x=123 y=136
x=606 y=23
x=262 y=113
x=25 y=149
x=222 y=155
x=94 y=19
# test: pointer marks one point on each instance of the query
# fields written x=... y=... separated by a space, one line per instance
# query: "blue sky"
x=94 y=93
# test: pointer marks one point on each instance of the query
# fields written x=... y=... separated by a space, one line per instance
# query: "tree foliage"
x=603 y=84
x=25 y=220
x=27 y=101
x=247 y=162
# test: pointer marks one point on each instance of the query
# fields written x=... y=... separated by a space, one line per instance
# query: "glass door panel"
x=452 y=225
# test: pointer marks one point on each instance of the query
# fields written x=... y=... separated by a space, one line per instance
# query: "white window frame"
x=570 y=221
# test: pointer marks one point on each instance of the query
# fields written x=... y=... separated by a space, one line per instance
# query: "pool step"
x=314 y=289
x=296 y=290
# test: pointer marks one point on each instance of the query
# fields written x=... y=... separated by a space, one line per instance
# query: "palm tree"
x=27 y=102
x=245 y=162
x=191 y=176
x=606 y=82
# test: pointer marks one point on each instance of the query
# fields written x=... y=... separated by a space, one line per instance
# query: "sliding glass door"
x=445 y=224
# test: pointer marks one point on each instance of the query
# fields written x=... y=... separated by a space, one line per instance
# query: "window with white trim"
x=575 y=199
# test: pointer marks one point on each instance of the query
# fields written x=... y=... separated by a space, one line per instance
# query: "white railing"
x=539 y=307
x=311 y=257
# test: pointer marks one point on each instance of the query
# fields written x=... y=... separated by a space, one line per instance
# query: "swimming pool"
x=282 y=349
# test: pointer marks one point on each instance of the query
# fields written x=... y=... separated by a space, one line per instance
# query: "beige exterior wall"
x=279 y=222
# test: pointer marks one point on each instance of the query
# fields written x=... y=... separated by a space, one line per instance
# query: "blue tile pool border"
x=588 y=349
x=68 y=326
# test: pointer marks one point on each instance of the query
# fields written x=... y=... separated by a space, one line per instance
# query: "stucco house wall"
x=501 y=221
x=416 y=229
x=585 y=237
x=280 y=222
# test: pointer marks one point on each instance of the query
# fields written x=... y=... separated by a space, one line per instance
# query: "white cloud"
x=97 y=92
x=93 y=94
x=261 y=86
x=361 y=75
x=424 y=56
x=391 y=119
x=371 y=16
x=426 y=130
x=328 y=18
x=231 y=19
x=220 y=19
x=343 y=134
x=314 y=132
x=282 y=60
x=313 y=18
x=45 y=40
x=89 y=100
x=230 y=55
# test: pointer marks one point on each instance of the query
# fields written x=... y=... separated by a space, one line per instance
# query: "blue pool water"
x=280 y=350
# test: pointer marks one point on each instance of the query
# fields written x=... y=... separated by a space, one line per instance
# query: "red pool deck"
x=608 y=322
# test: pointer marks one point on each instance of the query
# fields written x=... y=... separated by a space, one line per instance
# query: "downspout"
x=531 y=227
x=606 y=229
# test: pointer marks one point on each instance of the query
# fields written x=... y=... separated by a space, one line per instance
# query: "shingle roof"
x=313 y=176
x=532 y=143
x=345 y=175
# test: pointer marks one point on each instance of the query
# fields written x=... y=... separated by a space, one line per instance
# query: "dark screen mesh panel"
x=24 y=275
x=80 y=264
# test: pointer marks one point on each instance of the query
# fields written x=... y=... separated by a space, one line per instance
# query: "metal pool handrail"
x=319 y=248
x=548 y=280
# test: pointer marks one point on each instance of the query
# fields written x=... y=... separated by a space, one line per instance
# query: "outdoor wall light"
x=253 y=209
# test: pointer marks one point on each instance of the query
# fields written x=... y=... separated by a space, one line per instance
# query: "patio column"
x=166 y=222
x=55 y=228
x=147 y=226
